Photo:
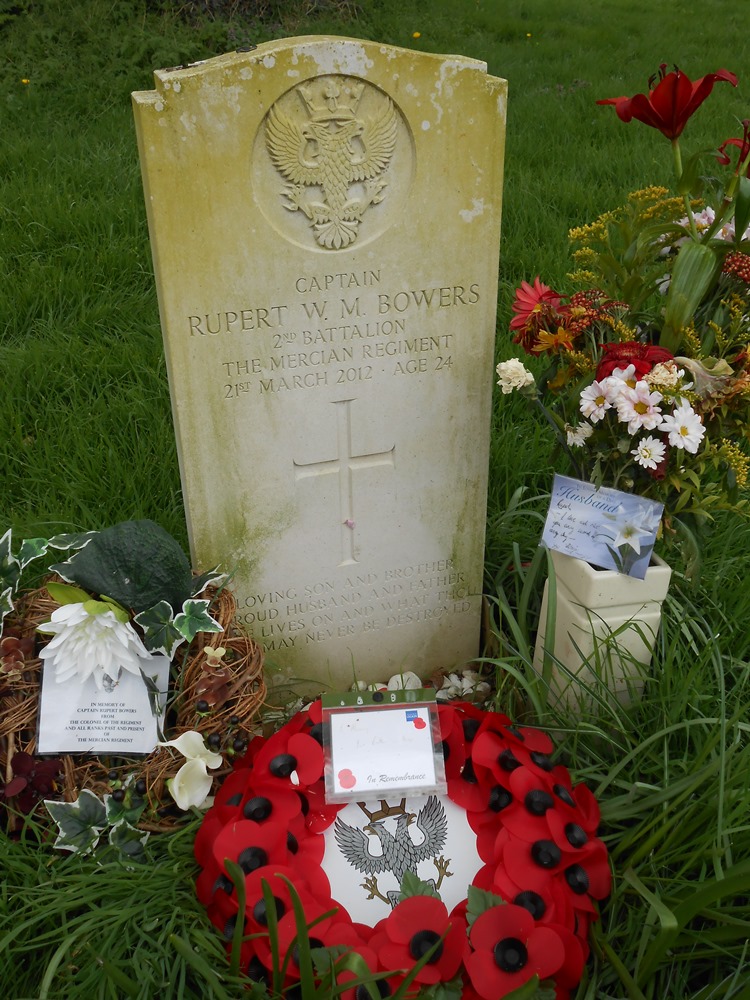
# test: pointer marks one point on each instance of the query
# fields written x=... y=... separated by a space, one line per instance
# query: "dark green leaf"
x=159 y=632
x=195 y=618
x=128 y=841
x=80 y=823
x=10 y=570
x=136 y=563
x=211 y=577
x=31 y=548
x=71 y=541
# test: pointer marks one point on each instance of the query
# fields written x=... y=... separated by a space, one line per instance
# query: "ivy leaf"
x=129 y=841
x=6 y=604
x=10 y=569
x=211 y=577
x=129 y=810
x=195 y=618
x=411 y=885
x=80 y=823
x=478 y=901
x=159 y=632
x=31 y=548
x=71 y=541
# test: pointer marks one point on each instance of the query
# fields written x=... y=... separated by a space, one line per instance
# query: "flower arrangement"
x=525 y=916
x=648 y=381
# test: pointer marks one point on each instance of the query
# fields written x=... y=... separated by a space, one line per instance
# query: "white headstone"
x=324 y=217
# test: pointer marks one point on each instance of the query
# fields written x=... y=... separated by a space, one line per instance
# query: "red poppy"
x=413 y=927
x=642 y=356
x=289 y=758
x=508 y=948
x=671 y=102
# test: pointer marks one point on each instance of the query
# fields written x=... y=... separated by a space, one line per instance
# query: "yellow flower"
x=24 y=80
x=416 y=34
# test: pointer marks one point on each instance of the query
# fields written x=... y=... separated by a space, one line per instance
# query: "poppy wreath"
x=528 y=910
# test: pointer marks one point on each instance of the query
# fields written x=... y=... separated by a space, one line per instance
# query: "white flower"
x=89 y=640
x=667 y=375
x=639 y=407
x=192 y=783
x=467 y=686
x=513 y=374
x=649 y=452
x=406 y=681
x=684 y=427
x=577 y=436
x=596 y=399
x=634 y=528
x=621 y=377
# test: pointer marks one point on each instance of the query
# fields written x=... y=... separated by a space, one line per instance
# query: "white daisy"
x=595 y=401
x=639 y=407
x=684 y=427
x=649 y=452
x=577 y=436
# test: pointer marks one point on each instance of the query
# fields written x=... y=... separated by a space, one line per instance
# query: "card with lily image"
x=606 y=527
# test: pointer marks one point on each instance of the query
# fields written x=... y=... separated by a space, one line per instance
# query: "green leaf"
x=195 y=618
x=444 y=991
x=529 y=991
x=80 y=823
x=10 y=568
x=693 y=273
x=64 y=593
x=742 y=210
x=71 y=541
x=411 y=885
x=6 y=604
x=136 y=563
x=159 y=632
x=129 y=810
x=129 y=841
x=211 y=577
x=31 y=548
x=478 y=901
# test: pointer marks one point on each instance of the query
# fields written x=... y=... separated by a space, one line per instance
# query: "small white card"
x=383 y=751
x=606 y=527
x=79 y=718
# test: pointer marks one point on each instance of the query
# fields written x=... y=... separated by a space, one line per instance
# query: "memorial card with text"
x=324 y=216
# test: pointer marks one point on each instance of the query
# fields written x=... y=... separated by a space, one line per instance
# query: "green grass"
x=87 y=441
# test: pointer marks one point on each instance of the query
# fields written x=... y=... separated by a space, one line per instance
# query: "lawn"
x=87 y=441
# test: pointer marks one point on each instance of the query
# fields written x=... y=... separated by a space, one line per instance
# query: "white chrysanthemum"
x=596 y=399
x=466 y=686
x=684 y=427
x=578 y=436
x=512 y=375
x=666 y=374
x=639 y=407
x=86 y=645
x=649 y=452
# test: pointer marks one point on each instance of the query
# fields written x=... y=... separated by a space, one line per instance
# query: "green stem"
x=686 y=197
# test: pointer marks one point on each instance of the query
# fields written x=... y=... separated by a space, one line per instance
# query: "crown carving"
x=386 y=810
x=339 y=103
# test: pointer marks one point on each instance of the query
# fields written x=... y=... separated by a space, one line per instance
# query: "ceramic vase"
x=606 y=625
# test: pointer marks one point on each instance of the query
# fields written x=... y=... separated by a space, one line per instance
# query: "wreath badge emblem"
x=388 y=830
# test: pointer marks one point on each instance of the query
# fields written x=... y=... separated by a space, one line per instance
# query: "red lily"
x=672 y=101
x=742 y=144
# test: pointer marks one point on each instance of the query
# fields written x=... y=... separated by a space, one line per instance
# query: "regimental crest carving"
x=335 y=158
x=386 y=845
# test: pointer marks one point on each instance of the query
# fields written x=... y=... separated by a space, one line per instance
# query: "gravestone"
x=324 y=216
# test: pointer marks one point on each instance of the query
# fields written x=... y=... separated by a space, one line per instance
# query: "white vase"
x=605 y=629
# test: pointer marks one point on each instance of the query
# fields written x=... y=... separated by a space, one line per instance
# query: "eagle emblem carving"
x=396 y=851
x=340 y=155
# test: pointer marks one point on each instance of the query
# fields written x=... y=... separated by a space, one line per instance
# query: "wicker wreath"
x=206 y=695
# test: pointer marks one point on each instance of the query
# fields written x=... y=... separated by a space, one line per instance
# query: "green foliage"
x=82 y=823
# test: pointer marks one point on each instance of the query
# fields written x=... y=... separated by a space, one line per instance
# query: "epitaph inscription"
x=325 y=218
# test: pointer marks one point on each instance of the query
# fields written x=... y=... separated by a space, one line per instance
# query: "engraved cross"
x=344 y=465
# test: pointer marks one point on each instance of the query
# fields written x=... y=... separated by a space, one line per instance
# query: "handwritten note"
x=382 y=751
x=606 y=527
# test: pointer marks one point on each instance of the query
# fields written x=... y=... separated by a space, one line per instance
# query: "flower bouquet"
x=648 y=379
x=121 y=611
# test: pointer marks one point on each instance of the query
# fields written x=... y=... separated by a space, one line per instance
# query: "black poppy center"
x=541 y=760
x=576 y=835
x=577 y=879
x=510 y=954
x=421 y=943
x=314 y=943
x=282 y=765
x=499 y=798
x=316 y=731
x=470 y=727
x=468 y=774
x=545 y=853
x=444 y=749
x=292 y=843
x=381 y=988
x=235 y=799
x=252 y=858
x=223 y=883
x=563 y=794
x=537 y=801
x=508 y=760
x=260 y=911
x=532 y=902
x=258 y=808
